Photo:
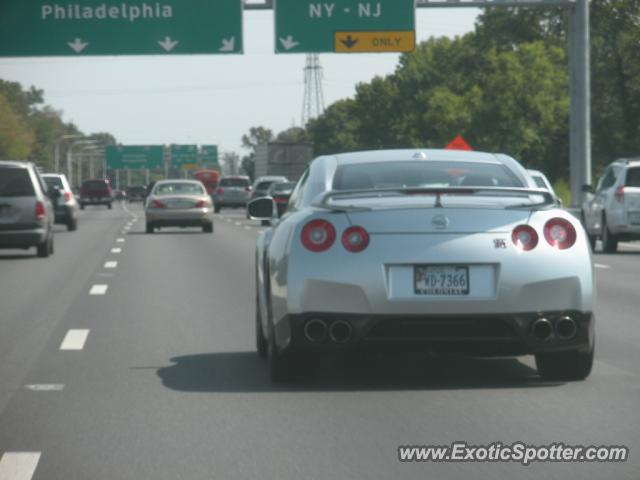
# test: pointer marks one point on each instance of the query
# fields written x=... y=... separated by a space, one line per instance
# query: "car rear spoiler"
x=323 y=200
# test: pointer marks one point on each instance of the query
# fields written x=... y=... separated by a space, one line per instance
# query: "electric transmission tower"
x=313 y=102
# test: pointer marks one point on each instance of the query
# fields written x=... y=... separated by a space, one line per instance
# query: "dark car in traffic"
x=96 y=192
x=26 y=211
x=281 y=193
x=136 y=193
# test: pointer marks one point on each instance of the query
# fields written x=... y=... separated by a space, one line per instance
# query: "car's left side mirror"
x=262 y=209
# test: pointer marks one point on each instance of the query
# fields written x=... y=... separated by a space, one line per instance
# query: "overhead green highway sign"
x=209 y=154
x=184 y=156
x=135 y=157
x=116 y=27
x=310 y=26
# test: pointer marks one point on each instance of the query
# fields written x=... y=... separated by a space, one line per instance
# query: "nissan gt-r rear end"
x=474 y=266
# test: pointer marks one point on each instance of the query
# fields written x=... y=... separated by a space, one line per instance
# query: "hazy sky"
x=207 y=99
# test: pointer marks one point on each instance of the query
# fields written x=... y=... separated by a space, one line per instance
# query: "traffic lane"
x=169 y=385
x=35 y=293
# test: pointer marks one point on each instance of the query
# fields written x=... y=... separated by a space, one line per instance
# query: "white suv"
x=612 y=212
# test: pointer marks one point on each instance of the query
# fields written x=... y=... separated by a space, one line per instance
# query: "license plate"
x=441 y=280
x=634 y=218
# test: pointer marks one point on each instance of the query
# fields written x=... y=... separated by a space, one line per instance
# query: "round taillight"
x=355 y=239
x=560 y=233
x=524 y=237
x=318 y=235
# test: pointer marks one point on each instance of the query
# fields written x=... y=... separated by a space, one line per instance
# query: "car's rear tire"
x=590 y=238
x=207 y=228
x=72 y=225
x=109 y=206
x=150 y=228
x=217 y=209
x=565 y=365
x=262 y=346
x=45 y=248
x=281 y=367
x=82 y=206
x=609 y=240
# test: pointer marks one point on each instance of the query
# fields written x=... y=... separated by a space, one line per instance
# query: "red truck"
x=209 y=178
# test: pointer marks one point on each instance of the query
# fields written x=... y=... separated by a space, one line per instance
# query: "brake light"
x=220 y=191
x=202 y=204
x=619 y=195
x=280 y=200
x=67 y=196
x=41 y=212
x=318 y=235
x=157 y=204
x=524 y=237
x=560 y=233
x=355 y=239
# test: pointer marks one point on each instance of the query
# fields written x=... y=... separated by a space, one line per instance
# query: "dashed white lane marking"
x=74 y=340
x=120 y=240
x=631 y=245
x=45 y=387
x=238 y=224
x=262 y=231
x=18 y=465
x=116 y=250
x=247 y=227
x=99 y=290
x=601 y=266
x=111 y=265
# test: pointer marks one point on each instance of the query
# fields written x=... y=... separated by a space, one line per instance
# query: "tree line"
x=30 y=129
x=504 y=87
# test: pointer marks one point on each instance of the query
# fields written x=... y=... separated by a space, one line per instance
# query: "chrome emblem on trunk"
x=440 y=222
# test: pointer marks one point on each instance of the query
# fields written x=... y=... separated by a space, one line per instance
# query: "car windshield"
x=633 y=177
x=54 y=182
x=234 y=182
x=178 y=188
x=375 y=175
x=15 y=182
x=264 y=186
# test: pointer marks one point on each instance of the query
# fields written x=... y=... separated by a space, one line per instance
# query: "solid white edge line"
x=99 y=289
x=630 y=245
x=18 y=465
x=74 y=340
x=45 y=387
x=110 y=264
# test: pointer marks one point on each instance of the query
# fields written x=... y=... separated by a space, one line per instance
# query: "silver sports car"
x=179 y=203
x=445 y=251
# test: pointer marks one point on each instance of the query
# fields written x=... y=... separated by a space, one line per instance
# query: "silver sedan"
x=440 y=251
x=179 y=203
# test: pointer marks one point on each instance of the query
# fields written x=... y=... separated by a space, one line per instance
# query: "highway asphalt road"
x=154 y=375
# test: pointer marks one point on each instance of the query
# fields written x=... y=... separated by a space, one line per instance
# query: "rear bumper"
x=180 y=218
x=22 y=238
x=486 y=335
x=96 y=201
x=64 y=213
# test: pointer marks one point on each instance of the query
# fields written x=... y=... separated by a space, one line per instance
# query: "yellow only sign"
x=402 y=41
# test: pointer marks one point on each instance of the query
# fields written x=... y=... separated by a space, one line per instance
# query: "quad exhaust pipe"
x=542 y=329
x=315 y=330
x=340 y=331
x=566 y=328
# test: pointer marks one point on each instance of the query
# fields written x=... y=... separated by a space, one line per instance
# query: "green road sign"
x=209 y=154
x=184 y=156
x=119 y=27
x=135 y=156
x=310 y=26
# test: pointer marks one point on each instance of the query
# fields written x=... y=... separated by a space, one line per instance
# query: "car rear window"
x=178 y=188
x=95 y=185
x=633 y=177
x=54 y=182
x=283 y=187
x=264 y=185
x=234 y=182
x=423 y=173
x=539 y=181
x=15 y=182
